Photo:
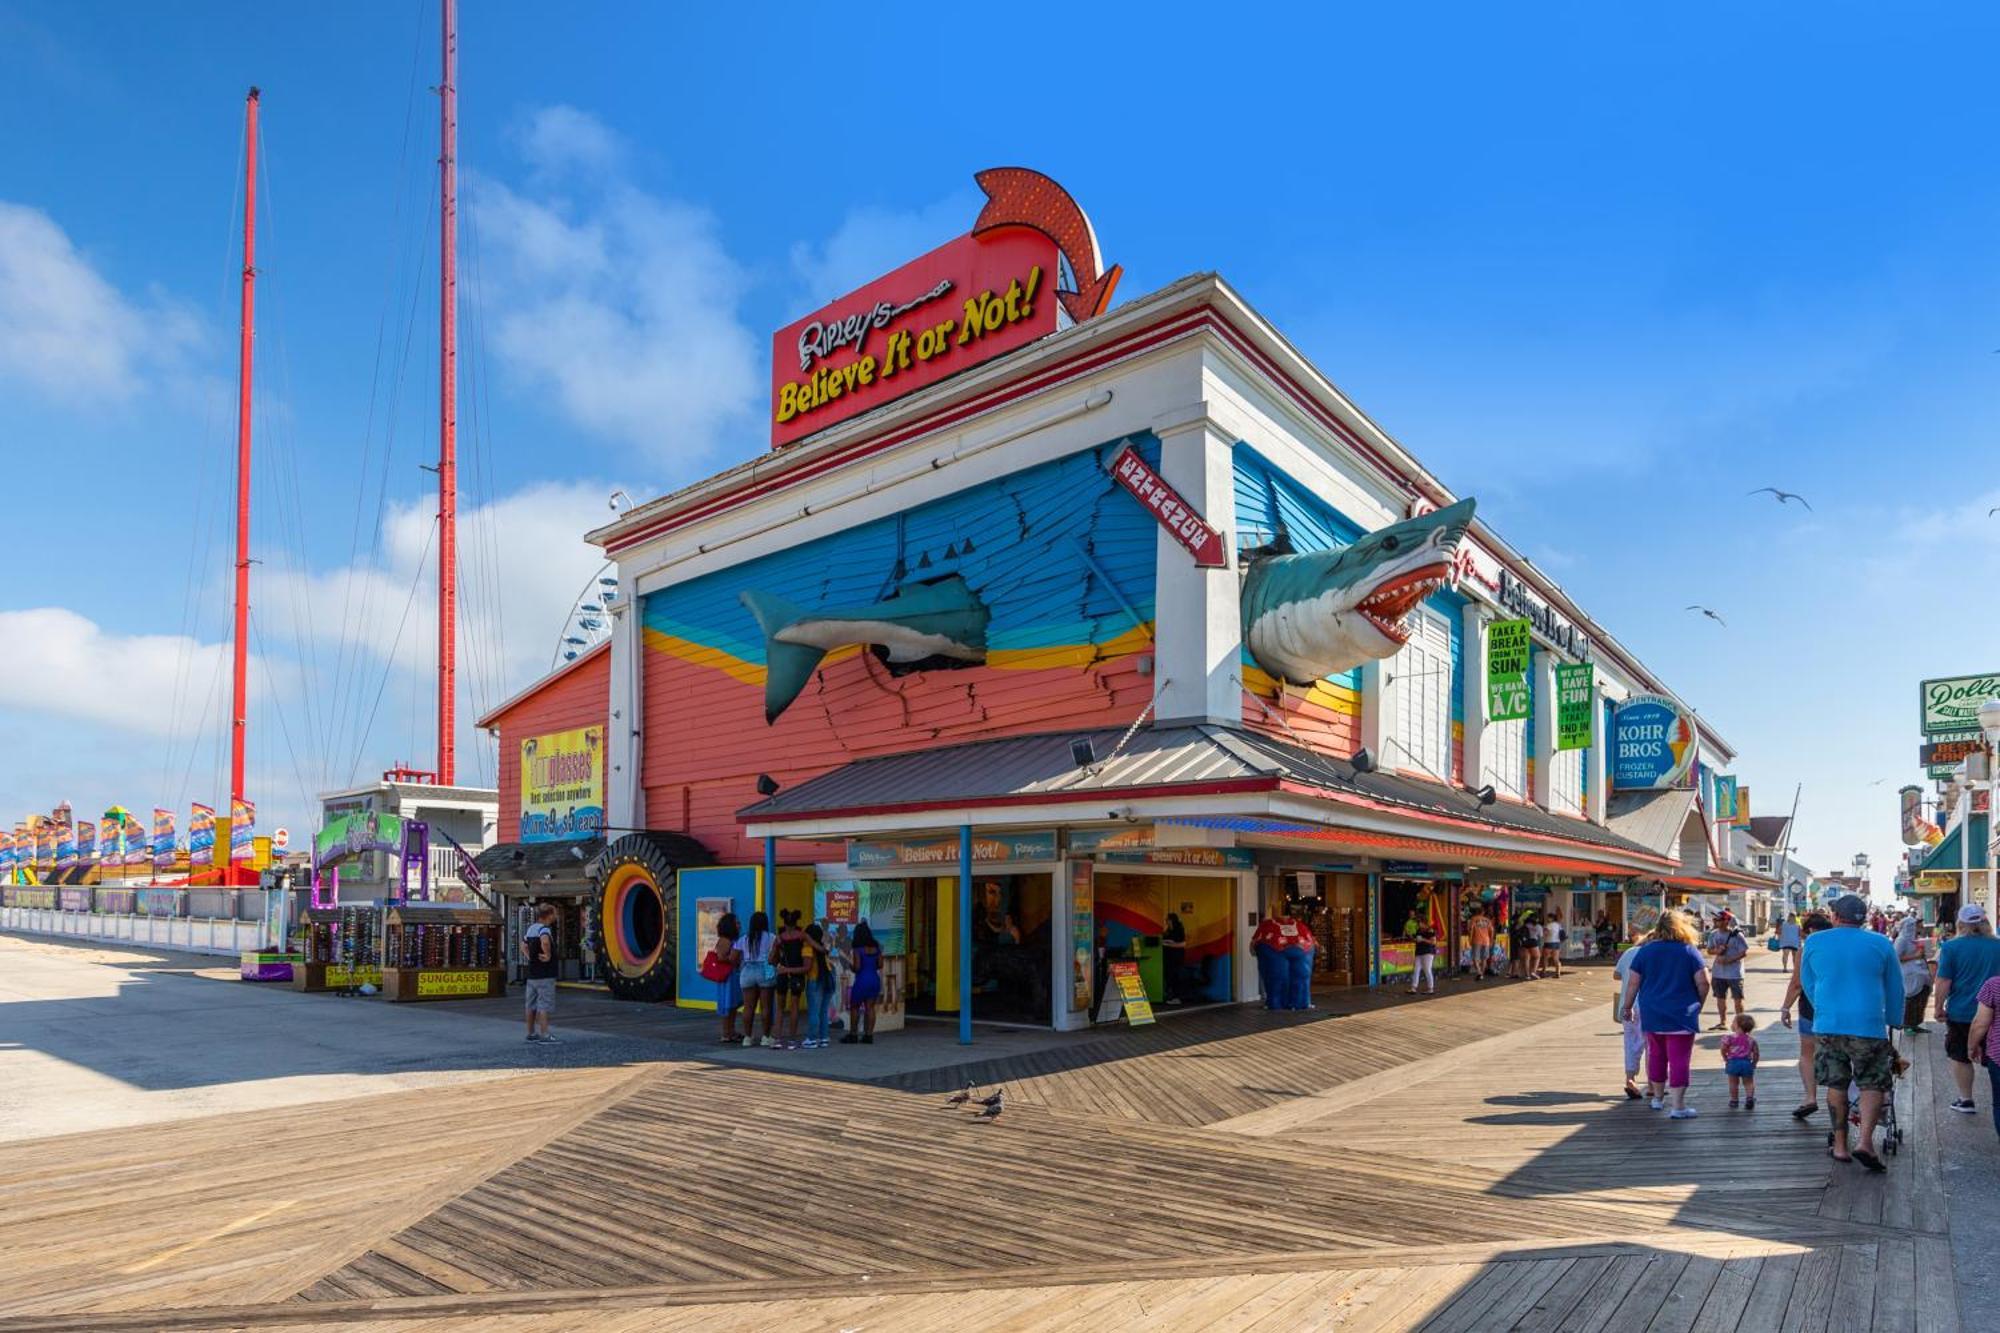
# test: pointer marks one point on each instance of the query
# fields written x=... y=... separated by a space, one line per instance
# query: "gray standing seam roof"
x=1042 y=765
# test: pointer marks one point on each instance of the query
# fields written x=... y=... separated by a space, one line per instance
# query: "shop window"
x=1566 y=782
x=1420 y=676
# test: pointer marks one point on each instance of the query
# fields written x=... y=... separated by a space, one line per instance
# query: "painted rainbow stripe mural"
x=1063 y=560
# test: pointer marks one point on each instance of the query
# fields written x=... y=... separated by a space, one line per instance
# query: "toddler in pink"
x=1739 y=1060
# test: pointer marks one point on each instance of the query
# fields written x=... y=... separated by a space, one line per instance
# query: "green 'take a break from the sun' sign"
x=1508 y=644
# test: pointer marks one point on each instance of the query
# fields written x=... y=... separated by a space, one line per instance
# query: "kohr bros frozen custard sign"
x=1031 y=253
x=1652 y=744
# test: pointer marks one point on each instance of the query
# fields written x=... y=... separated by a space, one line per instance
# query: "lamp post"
x=1989 y=722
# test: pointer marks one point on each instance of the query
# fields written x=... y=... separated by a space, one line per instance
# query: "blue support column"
x=1374 y=929
x=965 y=934
x=770 y=903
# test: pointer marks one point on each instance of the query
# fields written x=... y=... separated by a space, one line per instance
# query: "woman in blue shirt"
x=1669 y=981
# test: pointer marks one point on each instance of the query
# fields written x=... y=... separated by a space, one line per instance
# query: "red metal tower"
x=239 y=709
x=447 y=702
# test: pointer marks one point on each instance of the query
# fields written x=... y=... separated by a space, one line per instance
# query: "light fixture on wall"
x=1364 y=760
x=1083 y=752
x=1487 y=795
x=766 y=785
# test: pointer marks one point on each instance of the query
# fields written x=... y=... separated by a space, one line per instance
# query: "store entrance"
x=1410 y=905
x=1011 y=948
x=1176 y=927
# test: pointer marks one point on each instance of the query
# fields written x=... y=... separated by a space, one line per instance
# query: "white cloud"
x=621 y=304
x=67 y=332
x=872 y=241
x=59 y=662
x=558 y=139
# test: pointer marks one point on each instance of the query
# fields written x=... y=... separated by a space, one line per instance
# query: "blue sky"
x=1605 y=269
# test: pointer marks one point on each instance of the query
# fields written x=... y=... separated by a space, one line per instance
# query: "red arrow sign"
x=1176 y=515
x=1018 y=197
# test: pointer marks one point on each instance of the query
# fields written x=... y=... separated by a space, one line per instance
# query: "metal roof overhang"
x=1272 y=812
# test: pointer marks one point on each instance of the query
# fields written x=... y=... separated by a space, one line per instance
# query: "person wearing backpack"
x=819 y=987
x=791 y=981
x=1728 y=948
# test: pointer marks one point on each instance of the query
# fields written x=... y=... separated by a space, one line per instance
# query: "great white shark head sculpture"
x=1309 y=614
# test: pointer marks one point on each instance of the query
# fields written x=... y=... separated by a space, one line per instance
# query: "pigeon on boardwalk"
x=994 y=1106
x=961 y=1098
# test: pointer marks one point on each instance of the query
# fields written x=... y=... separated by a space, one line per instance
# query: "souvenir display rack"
x=340 y=948
x=443 y=951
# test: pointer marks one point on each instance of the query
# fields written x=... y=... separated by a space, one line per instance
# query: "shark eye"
x=1388 y=543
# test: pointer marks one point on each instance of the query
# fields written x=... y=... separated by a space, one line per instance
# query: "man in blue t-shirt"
x=1855 y=983
x=1965 y=963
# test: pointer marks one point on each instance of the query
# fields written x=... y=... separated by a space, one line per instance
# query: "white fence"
x=217 y=935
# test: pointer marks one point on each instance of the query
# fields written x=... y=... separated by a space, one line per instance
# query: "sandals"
x=1632 y=1091
x=1806 y=1112
x=1869 y=1160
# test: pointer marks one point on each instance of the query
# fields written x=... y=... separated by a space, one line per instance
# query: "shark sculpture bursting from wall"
x=1309 y=614
x=923 y=621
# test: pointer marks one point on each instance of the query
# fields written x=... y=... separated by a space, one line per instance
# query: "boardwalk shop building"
x=1132 y=611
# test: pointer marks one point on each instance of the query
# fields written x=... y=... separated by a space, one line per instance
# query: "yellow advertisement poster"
x=562 y=785
x=452 y=983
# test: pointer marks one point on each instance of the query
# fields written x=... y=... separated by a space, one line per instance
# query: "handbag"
x=713 y=968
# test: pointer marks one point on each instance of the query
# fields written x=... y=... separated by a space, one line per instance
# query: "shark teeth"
x=1389 y=606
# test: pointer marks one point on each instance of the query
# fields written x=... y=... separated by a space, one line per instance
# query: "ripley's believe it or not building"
x=1139 y=605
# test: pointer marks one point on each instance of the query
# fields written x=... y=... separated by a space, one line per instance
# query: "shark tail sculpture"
x=943 y=621
x=1307 y=615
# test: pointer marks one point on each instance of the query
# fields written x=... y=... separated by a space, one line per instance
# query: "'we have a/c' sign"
x=1174 y=514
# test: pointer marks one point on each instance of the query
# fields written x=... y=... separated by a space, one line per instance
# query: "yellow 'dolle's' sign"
x=452 y=983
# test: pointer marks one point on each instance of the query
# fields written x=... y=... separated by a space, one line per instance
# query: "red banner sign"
x=1176 y=515
x=965 y=302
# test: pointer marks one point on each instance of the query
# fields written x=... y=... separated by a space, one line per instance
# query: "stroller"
x=1889 y=1129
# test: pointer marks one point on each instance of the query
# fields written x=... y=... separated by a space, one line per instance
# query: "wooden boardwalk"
x=1458 y=1163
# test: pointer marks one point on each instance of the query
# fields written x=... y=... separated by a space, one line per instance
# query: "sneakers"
x=867 y=1039
x=849 y=1039
x=534 y=1036
x=1964 y=1105
x=1684 y=1113
x=550 y=1041
x=1657 y=1104
x=1749 y=1103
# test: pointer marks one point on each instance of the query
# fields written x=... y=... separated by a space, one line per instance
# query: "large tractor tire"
x=637 y=917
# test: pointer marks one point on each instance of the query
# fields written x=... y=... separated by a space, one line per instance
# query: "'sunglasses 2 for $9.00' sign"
x=965 y=302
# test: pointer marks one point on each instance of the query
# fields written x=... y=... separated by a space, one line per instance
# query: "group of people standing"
x=782 y=988
x=1852 y=988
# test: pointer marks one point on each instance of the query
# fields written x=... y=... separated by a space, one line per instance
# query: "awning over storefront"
x=526 y=869
x=1180 y=773
x=1655 y=820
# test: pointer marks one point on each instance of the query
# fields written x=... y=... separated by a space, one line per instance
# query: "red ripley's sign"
x=965 y=302
x=1175 y=514
x=971 y=299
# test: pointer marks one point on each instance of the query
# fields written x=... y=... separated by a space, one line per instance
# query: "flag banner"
x=65 y=847
x=163 y=840
x=242 y=827
x=1576 y=694
x=1508 y=643
x=111 y=841
x=48 y=846
x=86 y=842
x=138 y=847
x=201 y=835
x=6 y=858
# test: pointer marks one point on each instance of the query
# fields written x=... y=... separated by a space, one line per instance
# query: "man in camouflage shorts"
x=1855 y=982
x=1867 y=1062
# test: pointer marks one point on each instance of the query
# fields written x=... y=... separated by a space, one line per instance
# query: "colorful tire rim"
x=634 y=918
x=635 y=937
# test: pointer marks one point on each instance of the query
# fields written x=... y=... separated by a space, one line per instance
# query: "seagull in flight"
x=1711 y=615
x=1994 y=510
x=1782 y=497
